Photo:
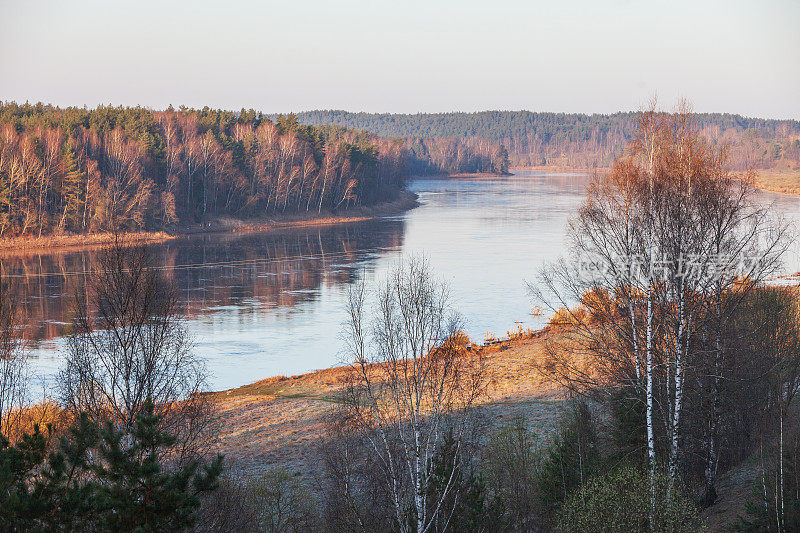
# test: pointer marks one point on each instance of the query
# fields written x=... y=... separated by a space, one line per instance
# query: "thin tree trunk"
x=651 y=448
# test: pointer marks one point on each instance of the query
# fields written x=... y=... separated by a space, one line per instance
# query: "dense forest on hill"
x=576 y=140
x=116 y=168
x=81 y=170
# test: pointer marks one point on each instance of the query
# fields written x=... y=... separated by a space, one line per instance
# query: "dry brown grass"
x=782 y=181
x=278 y=421
x=786 y=181
x=92 y=240
x=42 y=414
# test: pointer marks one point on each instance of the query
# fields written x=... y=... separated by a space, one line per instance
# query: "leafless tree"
x=128 y=344
x=285 y=505
x=13 y=376
x=355 y=499
x=410 y=381
x=230 y=507
x=126 y=190
x=662 y=240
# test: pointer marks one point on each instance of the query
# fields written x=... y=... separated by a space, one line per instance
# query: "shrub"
x=569 y=317
x=285 y=505
x=231 y=507
x=620 y=502
x=511 y=461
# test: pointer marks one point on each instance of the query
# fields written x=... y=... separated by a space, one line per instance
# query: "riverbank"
x=784 y=181
x=479 y=175
x=559 y=169
x=281 y=422
x=22 y=245
x=463 y=175
x=780 y=181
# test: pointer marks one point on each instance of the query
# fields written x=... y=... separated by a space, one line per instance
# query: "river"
x=264 y=304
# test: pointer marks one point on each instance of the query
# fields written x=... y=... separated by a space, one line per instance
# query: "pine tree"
x=100 y=479
x=73 y=190
x=18 y=464
x=136 y=492
x=466 y=506
x=572 y=459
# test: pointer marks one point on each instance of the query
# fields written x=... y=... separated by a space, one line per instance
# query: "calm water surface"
x=264 y=304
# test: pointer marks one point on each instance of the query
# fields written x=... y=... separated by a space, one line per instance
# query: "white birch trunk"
x=651 y=449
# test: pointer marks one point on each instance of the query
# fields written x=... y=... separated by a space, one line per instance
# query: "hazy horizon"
x=586 y=57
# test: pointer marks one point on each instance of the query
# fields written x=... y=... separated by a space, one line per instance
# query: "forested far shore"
x=78 y=171
x=575 y=140
x=114 y=168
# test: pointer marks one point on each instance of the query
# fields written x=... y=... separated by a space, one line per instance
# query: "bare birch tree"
x=13 y=378
x=661 y=241
x=128 y=346
x=410 y=382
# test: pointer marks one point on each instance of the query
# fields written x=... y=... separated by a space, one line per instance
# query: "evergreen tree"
x=500 y=160
x=572 y=459
x=136 y=493
x=101 y=479
x=19 y=500
x=466 y=506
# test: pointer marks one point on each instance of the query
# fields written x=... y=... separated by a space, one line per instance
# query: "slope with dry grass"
x=278 y=421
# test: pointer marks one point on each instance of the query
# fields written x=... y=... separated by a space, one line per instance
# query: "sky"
x=589 y=56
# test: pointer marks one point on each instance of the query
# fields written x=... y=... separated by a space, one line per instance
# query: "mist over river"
x=264 y=304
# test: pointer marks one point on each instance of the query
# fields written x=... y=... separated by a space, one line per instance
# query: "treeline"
x=577 y=140
x=122 y=168
x=456 y=155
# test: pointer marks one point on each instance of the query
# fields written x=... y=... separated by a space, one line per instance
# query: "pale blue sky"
x=405 y=56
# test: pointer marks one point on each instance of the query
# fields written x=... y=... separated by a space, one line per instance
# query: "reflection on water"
x=254 y=273
x=262 y=304
x=231 y=287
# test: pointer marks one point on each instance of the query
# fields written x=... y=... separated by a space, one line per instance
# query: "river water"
x=264 y=304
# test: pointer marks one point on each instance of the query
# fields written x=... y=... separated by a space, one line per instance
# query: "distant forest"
x=576 y=140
